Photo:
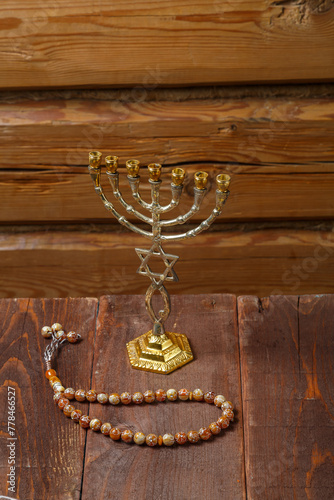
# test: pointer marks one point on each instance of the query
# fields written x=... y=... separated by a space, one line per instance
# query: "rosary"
x=62 y=397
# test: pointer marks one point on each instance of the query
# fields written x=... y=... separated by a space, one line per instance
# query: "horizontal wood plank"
x=253 y=131
x=64 y=44
x=261 y=262
x=44 y=197
x=260 y=142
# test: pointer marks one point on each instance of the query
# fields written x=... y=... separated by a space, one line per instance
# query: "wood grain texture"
x=280 y=154
x=62 y=44
x=53 y=197
x=115 y=470
x=48 y=454
x=261 y=135
x=261 y=262
x=286 y=352
x=280 y=381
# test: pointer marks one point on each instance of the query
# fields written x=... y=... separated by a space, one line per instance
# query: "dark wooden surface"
x=272 y=357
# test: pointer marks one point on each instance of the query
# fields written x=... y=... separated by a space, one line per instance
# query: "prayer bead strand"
x=63 y=398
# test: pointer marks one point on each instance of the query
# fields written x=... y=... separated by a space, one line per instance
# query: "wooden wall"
x=242 y=87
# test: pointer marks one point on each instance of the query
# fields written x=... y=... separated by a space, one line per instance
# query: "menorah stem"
x=158 y=320
x=155 y=195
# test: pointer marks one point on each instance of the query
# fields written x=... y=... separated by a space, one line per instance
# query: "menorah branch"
x=96 y=175
x=176 y=196
x=221 y=199
x=114 y=182
x=134 y=185
x=181 y=219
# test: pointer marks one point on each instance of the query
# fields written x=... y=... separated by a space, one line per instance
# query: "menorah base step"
x=160 y=354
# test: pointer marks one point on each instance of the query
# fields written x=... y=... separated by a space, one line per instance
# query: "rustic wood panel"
x=282 y=388
x=262 y=262
x=119 y=471
x=44 y=197
x=48 y=453
x=286 y=350
x=63 y=44
x=253 y=132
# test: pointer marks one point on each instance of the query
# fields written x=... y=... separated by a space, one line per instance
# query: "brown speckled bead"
x=69 y=393
x=215 y=428
x=84 y=421
x=171 y=395
x=46 y=332
x=181 y=437
x=53 y=380
x=183 y=394
x=209 y=397
x=114 y=398
x=95 y=424
x=62 y=402
x=103 y=398
x=106 y=428
x=115 y=433
x=126 y=398
x=60 y=335
x=204 y=433
x=160 y=395
x=228 y=413
x=219 y=400
x=56 y=327
x=198 y=394
x=151 y=440
x=149 y=397
x=57 y=396
x=168 y=439
x=75 y=415
x=137 y=398
x=223 y=422
x=227 y=405
x=67 y=410
x=50 y=373
x=193 y=436
x=57 y=387
x=139 y=438
x=127 y=436
x=72 y=337
x=80 y=395
x=91 y=395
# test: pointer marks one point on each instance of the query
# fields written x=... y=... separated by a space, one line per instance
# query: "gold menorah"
x=157 y=350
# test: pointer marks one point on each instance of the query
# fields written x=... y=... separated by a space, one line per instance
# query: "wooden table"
x=273 y=358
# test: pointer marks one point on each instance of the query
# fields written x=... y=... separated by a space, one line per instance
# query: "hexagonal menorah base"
x=160 y=354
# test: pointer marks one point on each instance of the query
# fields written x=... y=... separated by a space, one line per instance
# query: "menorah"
x=157 y=350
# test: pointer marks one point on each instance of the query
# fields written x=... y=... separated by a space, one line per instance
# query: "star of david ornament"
x=169 y=260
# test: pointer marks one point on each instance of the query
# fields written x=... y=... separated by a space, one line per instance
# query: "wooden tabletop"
x=272 y=357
